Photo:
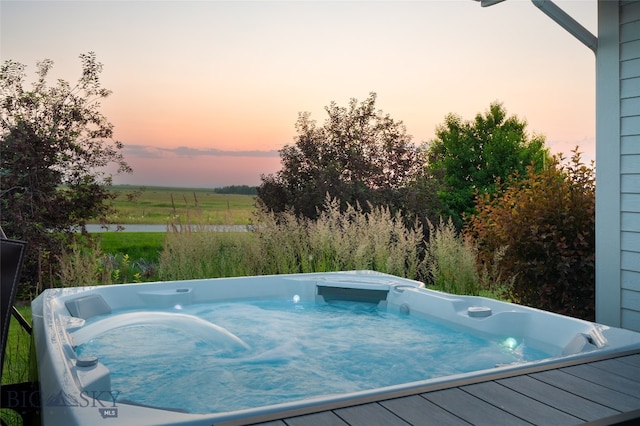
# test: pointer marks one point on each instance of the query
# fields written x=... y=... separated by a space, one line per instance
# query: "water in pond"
x=293 y=350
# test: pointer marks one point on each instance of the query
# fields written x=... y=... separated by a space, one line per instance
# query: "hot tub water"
x=268 y=352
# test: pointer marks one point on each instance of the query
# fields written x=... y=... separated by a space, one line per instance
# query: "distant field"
x=161 y=205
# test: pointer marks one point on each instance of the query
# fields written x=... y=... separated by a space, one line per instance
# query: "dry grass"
x=202 y=252
x=284 y=243
x=451 y=260
x=453 y=267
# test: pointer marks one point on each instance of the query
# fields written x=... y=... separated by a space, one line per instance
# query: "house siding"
x=608 y=152
x=629 y=18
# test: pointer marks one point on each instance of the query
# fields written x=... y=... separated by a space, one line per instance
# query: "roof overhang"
x=562 y=18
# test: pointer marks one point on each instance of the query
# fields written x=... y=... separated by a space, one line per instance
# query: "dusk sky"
x=206 y=92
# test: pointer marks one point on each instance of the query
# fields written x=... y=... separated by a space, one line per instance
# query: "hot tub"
x=76 y=383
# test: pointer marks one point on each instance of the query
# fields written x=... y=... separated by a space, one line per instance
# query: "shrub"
x=84 y=264
x=545 y=224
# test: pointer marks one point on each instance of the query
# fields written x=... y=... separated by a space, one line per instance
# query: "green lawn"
x=137 y=245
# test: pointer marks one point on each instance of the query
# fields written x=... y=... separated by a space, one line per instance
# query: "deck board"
x=520 y=405
x=559 y=398
x=603 y=377
x=589 y=390
x=417 y=410
x=324 y=418
x=633 y=360
x=370 y=415
x=596 y=392
x=620 y=368
x=472 y=409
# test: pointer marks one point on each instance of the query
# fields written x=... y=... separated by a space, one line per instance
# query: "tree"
x=56 y=148
x=360 y=155
x=544 y=225
x=237 y=189
x=472 y=155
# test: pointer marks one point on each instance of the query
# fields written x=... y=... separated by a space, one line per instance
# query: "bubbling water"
x=298 y=350
x=188 y=324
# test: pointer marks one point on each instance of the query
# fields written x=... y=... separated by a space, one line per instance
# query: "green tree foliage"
x=56 y=148
x=544 y=222
x=359 y=155
x=472 y=155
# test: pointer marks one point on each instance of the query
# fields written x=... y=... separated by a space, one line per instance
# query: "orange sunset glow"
x=205 y=93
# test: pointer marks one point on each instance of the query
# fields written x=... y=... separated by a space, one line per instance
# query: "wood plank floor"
x=602 y=391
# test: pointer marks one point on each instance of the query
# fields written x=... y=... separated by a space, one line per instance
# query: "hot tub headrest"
x=88 y=306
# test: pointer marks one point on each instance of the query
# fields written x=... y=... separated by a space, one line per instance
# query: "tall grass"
x=451 y=260
x=453 y=267
x=285 y=243
x=335 y=241
x=202 y=252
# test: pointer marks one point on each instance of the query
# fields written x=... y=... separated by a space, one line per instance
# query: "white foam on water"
x=192 y=325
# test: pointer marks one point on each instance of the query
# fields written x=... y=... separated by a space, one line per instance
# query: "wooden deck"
x=598 y=391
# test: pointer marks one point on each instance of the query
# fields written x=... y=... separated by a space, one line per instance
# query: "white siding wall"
x=630 y=163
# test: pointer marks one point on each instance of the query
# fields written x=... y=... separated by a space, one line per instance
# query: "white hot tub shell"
x=77 y=390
